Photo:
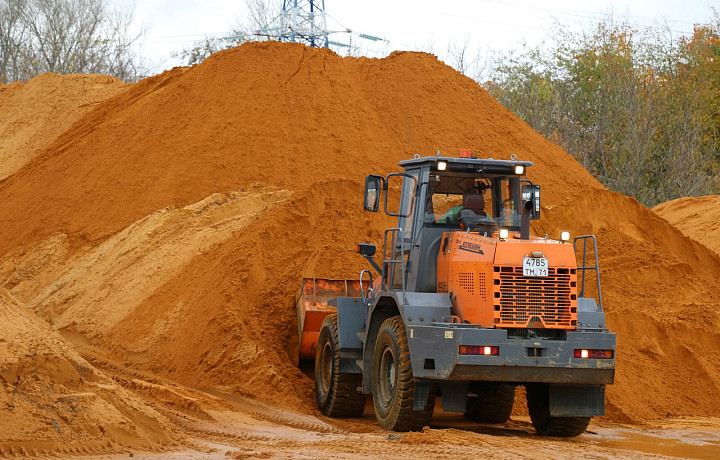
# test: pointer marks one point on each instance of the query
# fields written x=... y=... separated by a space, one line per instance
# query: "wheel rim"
x=388 y=376
x=326 y=363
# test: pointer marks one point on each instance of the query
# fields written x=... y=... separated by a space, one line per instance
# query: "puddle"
x=687 y=443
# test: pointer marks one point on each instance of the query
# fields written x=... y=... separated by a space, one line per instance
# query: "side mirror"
x=531 y=193
x=372 y=193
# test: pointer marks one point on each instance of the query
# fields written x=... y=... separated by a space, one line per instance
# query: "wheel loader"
x=464 y=304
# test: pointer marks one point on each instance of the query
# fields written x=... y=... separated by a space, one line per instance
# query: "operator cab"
x=432 y=201
x=453 y=188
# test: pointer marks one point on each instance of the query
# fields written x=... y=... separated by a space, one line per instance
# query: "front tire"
x=392 y=381
x=336 y=393
x=538 y=401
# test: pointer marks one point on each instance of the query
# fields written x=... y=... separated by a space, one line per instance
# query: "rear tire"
x=392 y=381
x=493 y=403
x=336 y=393
x=538 y=401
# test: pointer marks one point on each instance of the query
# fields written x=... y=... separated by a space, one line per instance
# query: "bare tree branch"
x=66 y=36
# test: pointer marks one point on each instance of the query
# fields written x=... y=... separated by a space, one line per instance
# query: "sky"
x=420 y=25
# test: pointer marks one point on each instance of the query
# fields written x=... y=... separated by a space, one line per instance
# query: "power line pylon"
x=304 y=21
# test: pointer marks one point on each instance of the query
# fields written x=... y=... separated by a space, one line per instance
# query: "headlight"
x=564 y=236
x=504 y=233
x=519 y=169
x=442 y=166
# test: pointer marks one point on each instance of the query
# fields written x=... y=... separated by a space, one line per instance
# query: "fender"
x=351 y=321
x=419 y=308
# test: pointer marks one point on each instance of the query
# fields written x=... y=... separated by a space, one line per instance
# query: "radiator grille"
x=534 y=333
x=535 y=301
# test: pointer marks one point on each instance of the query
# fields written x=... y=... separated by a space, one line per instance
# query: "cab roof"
x=487 y=165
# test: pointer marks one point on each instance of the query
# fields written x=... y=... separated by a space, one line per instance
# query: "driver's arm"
x=451 y=216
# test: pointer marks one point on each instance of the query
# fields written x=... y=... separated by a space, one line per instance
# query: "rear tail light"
x=479 y=350
x=593 y=354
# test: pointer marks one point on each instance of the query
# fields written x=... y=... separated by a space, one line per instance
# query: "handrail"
x=367 y=300
x=390 y=259
x=584 y=267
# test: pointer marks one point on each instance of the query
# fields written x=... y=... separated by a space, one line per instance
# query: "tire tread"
x=493 y=403
x=538 y=401
x=404 y=417
x=343 y=399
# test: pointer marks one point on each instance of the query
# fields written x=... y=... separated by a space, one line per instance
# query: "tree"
x=12 y=32
x=639 y=109
x=66 y=36
x=254 y=26
x=465 y=60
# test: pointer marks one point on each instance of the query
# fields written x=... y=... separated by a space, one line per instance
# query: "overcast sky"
x=489 y=25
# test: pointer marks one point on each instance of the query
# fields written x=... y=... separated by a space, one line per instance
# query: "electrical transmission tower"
x=304 y=21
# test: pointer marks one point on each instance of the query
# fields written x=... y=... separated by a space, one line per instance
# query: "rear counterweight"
x=435 y=355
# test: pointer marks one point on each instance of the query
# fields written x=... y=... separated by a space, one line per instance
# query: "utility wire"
x=577 y=13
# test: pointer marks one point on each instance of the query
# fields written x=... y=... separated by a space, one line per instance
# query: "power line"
x=577 y=13
x=568 y=13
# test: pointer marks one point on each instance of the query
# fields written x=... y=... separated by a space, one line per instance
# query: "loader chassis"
x=461 y=310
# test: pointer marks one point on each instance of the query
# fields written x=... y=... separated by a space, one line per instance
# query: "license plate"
x=535 y=266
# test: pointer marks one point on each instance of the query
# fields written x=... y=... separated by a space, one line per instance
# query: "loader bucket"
x=312 y=307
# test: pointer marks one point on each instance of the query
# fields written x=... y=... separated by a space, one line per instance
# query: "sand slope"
x=695 y=217
x=53 y=401
x=34 y=114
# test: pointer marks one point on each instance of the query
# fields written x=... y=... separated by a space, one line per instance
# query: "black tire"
x=392 y=381
x=538 y=401
x=492 y=402
x=336 y=393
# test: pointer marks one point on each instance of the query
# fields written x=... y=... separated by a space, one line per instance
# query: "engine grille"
x=545 y=334
x=466 y=280
x=535 y=302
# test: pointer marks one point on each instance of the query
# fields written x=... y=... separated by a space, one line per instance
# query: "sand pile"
x=34 y=114
x=695 y=217
x=172 y=224
x=53 y=401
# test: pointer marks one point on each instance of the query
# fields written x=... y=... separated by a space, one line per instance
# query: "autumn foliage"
x=640 y=109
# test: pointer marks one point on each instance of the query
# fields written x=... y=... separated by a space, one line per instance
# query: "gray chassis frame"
x=577 y=386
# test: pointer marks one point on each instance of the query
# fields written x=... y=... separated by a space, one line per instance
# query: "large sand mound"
x=53 y=401
x=170 y=227
x=696 y=217
x=34 y=114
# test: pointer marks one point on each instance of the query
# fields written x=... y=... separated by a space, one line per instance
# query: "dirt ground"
x=258 y=430
x=154 y=236
x=215 y=425
x=450 y=436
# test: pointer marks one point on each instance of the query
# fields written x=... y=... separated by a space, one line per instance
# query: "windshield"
x=491 y=197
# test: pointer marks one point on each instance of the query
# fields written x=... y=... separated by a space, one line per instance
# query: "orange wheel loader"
x=463 y=303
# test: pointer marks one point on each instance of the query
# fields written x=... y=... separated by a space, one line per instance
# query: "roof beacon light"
x=464 y=153
x=442 y=166
x=564 y=236
x=519 y=169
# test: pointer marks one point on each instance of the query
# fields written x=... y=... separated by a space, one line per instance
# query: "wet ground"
x=257 y=430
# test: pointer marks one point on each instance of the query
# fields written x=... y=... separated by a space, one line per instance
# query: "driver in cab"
x=473 y=201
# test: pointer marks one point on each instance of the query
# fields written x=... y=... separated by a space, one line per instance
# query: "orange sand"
x=53 y=401
x=35 y=113
x=696 y=217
